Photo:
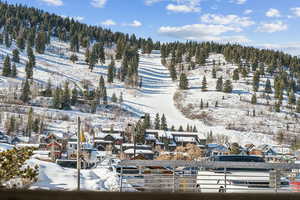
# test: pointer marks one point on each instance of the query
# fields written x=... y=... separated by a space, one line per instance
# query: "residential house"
x=104 y=141
x=216 y=150
x=128 y=150
x=184 y=138
x=55 y=148
x=169 y=140
x=87 y=150
x=267 y=152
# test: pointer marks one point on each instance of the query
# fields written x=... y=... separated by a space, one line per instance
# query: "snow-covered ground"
x=155 y=96
x=54 y=177
x=5 y=147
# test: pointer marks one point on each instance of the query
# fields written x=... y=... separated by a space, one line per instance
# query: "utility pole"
x=52 y=148
x=78 y=155
x=134 y=146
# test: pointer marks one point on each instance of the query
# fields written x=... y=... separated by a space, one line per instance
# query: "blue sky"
x=262 y=23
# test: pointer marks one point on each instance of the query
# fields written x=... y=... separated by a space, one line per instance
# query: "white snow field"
x=53 y=177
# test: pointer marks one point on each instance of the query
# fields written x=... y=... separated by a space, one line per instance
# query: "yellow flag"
x=82 y=137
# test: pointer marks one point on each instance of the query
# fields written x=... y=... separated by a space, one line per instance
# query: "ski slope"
x=156 y=94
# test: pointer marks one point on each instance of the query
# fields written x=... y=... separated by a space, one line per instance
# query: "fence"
x=205 y=176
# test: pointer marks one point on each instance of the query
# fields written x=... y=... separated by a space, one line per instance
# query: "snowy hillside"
x=155 y=96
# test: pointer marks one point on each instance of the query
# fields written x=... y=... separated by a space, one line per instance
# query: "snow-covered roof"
x=21 y=145
x=103 y=135
x=102 y=141
x=138 y=151
x=150 y=137
x=138 y=145
x=5 y=147
x=199 y=135
x=23 y=138
x=185 y=139
x=282 y=149
x=171 y=134
x=41 y=152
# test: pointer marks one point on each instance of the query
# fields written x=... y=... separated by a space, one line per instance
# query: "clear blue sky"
x=263 y=23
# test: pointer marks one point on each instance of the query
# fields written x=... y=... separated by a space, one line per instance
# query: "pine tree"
x=57 y=98
x=298 y=106
x=195 y=129
x=292 y=98
x=255 y=83
x=204 y=84
x=121 y=98
x=92 y=60
x=268 y=87
x=277 y=107
x=48 y=90
x=29 y=70
x=183 y=83
x=227 y=87
x=163 y=124
x=110 y=72
x=74 y=43
x=1 y=39
x=254 y=99
x=36 y=125
x=214 y=73
x=25 y=92
x=104 y=97
x=172 y=128
x=16 y=57
x=40 y=42
x=14 y=71
x=157 y=122
x=279 y=85
x=244 y=72
x=114 y=98
x=12 y=125
x=180 y=128
x=21 y=42
x=201 y=104
x=73 y=58
x=31 y=56
x=7 y=40
x=147 y=121
x=29 y=123
x=140 y=132
x=74 y=97
x=236 y=75
x=66 y=97
x=6 y=71
x=30 y=40
x=187 y=128
x=219 y=85
x=173 y=72
x=87 y=55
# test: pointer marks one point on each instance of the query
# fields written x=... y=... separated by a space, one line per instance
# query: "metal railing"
x=205 y=176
